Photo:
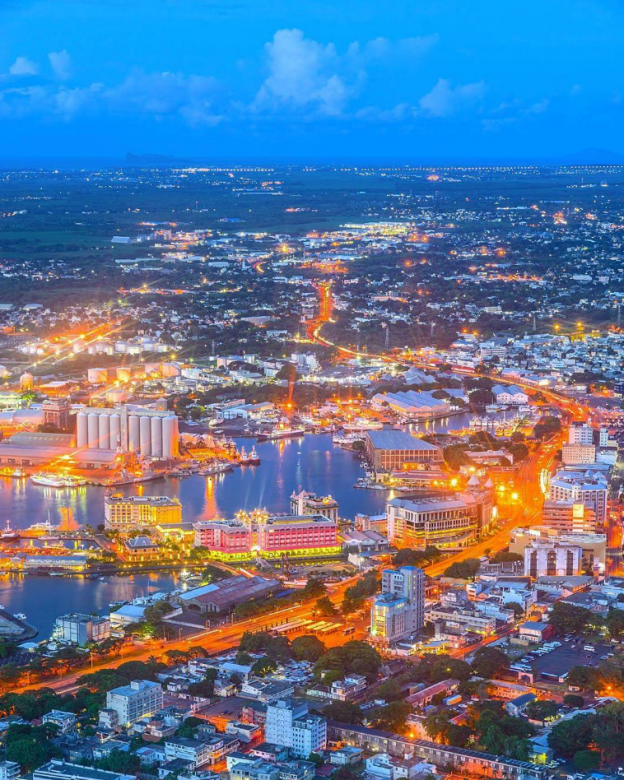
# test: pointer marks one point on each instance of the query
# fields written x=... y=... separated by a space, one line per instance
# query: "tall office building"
x=580 y=433
x=399 y=610
x=289 y=724
x=135 y=701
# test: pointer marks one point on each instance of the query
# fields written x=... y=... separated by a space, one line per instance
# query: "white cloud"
x=444 y=100
x=302 y=72
x=61 y=64
x=24 y=67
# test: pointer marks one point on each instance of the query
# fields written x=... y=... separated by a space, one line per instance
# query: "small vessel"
x=218 y=467
x=49 y=479
x=126 y=478
x=9 y=535
x=254 y=459
x=20 y=616
x=243 y=458
x=280 y=433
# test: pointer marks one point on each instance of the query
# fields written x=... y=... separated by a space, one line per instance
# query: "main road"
x=530 y=492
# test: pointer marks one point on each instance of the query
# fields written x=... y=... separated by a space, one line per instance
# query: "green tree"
x=489 y=662
x=463 y=570
x=571 y=736
x=325 y=607
x=120 y=761
x=586 y=760
x=392 y=717
x=344 y=712
x=573 y=701
x=308 y=648
x=542 y=709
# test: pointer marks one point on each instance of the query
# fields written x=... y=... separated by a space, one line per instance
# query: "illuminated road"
x=214 y=641
x=531 y=497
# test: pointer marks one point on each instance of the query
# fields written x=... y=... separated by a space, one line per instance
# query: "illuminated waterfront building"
x=394 y=450
x=305 y=503
x=124 y=513
x=399 y=610
x=269 y=537
x=299 y=535
x=226 y=539
x=448 y=523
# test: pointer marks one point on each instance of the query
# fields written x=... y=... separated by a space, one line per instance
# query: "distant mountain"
x=153 y=159
x=595 y=156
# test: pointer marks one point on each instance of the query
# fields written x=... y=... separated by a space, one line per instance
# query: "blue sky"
x=410 y=79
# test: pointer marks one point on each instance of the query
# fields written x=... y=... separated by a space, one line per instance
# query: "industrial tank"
x=146 y=436
x=82 y=430
x=134 y=438
x=115 y=431
x=156 y=433
x=93 y=429
x=104 y=432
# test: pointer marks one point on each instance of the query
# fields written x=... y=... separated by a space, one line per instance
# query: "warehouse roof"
x=397 y=440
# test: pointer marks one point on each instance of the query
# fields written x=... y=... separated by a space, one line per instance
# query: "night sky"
x=417 y=80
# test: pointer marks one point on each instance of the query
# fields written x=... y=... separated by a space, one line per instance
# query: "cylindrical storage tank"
x=116 y=396
x=82 y=431
x=104 y=431
x=93 y=429
x=134 y=436
x=97 y=376
x=156 y=425
x=124 y=374
x=115 y=431
x=167 y=437
x=176 y=438
x=146 y=436
x=170 y=369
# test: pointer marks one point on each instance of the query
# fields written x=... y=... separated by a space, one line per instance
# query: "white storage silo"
x=167 y=436
x=156 y=432
x=82 y=432
x=134 y=436
x=93 y=429
x=104 y=431
x=115 y=431
x=146 y=436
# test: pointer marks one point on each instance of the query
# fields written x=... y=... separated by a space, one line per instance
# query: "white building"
x=289 y=724
x=9 y=770
x=511 y=395
x=80 y=629
x=399 y=610
x=578 y=454
x=551 y=559
x=586 y=487
x=135 y=701
x=580 y=433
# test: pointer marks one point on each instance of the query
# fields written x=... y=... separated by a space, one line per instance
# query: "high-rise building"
x=589 y=488
x=399 y=610
x=135 y=701
x=289 y=724
x=580 y=433
x=124 y=513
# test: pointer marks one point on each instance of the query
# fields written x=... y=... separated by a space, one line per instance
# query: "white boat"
x=254 y=459
x=49 y=479
x=281 y=433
